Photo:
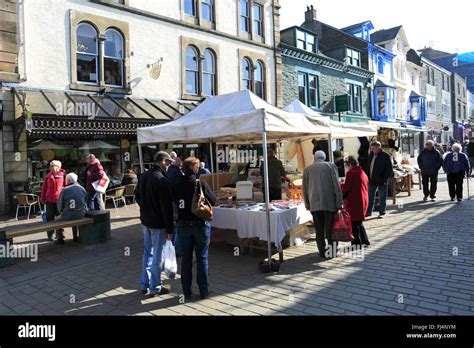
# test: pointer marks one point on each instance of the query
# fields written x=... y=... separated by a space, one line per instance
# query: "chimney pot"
x=310 y=14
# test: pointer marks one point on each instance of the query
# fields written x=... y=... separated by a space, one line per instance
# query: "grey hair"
x=56 y=163
x=71 y=178
x=203 y=165
x=430 y=142
x=456 y=147
x=319 y=156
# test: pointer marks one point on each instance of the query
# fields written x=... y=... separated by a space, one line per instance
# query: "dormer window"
x=353 y=57
x=305 y=41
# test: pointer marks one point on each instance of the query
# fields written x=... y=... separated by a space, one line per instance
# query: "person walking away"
x=174 y=174
x=153 y=195
x=203 y=170
x=456 y=166
x=470 y=154
x=275 y=173
x=355 y=192
x=50 y=191
x=429 y=161
x=72 y=205
x=323 y=198
x=380 y=170
x=94 y=172
x=194 y=234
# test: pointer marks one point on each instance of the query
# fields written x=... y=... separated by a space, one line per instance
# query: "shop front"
x=64 y=126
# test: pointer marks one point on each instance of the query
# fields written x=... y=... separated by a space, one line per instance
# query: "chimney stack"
x=310 y=14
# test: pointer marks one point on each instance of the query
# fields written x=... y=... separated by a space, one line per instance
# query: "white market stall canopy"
x=238 y=117
x=339 y=130
x=98 y=144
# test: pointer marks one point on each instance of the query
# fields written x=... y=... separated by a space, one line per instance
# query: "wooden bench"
x=33 y=228
x=92 y=230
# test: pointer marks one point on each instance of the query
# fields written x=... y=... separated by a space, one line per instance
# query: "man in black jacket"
x=153 y=195
x=429 y=161
x=380 y=169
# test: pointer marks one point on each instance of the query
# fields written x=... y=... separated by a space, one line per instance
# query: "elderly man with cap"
x=153 y=195
x=323 y=198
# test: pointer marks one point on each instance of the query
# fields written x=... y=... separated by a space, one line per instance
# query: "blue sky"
x=446 y=25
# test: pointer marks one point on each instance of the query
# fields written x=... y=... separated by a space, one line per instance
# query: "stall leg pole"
x=140 y=154
x=212 y=164
x=267 y=197
x=331 y=154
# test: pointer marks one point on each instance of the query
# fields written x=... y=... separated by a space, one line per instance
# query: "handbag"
x=168 y=256
x=101 y=185
x=200 y=206
x=342 y=227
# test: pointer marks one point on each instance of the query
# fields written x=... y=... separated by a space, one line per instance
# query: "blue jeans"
x=93 y=201
x=383 y=192
x=194 y=236
x=154 y=239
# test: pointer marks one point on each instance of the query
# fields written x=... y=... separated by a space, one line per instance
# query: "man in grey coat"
x=71 y=204
x=323 y=198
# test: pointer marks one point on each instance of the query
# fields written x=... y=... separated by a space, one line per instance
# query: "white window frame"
x=122 y=60
x=97 y=55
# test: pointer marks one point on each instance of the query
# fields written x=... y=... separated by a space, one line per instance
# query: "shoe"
x=204 y=295
x=433 y=199
x=381 y=215
x=459 y=200
x=76 y=239
x=144 y=292
x=452 y=199
x=59 y=242
x=165 y=289
x=425 y=198
x=368 y=215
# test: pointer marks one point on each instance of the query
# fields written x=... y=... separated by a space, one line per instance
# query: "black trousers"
x=427 y=189
x=323 y=223
x=360 y=234
x=51 y=213
x=455 y=181
x=274 y=193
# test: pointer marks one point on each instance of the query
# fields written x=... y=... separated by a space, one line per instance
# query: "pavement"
x=420 y=262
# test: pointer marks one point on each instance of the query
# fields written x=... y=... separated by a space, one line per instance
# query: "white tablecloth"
x=252 y=223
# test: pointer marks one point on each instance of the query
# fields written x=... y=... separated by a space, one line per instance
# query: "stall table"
x=251 y=223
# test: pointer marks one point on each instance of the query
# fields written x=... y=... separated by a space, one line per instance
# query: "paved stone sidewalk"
x=420 y=262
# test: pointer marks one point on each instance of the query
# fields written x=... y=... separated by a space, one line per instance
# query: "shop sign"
x=342 y=103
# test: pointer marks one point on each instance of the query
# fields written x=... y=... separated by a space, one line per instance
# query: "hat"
x=320 y=155
x=160 y=156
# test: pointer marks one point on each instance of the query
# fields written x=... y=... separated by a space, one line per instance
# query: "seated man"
x=71 y=204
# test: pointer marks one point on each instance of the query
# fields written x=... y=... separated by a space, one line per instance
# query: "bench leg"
x=6 y=244
x=280 y=255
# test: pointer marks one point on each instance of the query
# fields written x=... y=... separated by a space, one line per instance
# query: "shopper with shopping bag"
x=194 y=199
x=356 y=200
x=323 y=198
x=94 y=175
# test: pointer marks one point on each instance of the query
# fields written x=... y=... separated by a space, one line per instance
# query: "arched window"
x=259 y=77
x=87 y=52
x=192 y=71
x=246 y=74
x=209 y=73
x=380 y=65
x=113 y=58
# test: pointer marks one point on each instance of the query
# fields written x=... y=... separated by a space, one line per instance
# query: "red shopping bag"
x=342 y=227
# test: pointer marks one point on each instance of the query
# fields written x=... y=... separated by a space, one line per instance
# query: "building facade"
x=459 y=107
x=436 y=87
x=315 y=79
x=86 y=82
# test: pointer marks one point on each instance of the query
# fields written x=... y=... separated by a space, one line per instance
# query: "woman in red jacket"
x=53 y=184
x=356 y=199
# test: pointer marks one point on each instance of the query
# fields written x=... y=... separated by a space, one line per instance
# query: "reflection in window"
x=260 y=80
x=302 y=88
x=257 y=20
x=87 y=54
x=113 y=58
x=209 y=73
x=245 y=16
x=190 y=7
x=207 y=10
x=192 y=71
x=381 y=102
x=380 y=65
x=246 y=74
x=313 y=91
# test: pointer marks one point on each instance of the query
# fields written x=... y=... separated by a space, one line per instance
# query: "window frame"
x=353 y=97
x=259 y=21
x=96 y=55
x=253 y=58
x=381 y=64
x=250 y=34
x=261 y=65
x=351 y=57
x=101 y=24
x=213 y=73
x=122 y=60
x=307 y=78
x=305 y=40
x=194 y=72
x=193 y=3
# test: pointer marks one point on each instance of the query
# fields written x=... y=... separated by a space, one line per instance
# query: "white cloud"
x=447 y=25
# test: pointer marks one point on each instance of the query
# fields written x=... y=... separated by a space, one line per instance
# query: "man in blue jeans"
x=153 y=195
x=379 y=171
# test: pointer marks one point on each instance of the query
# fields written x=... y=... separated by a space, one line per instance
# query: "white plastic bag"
x=169 y=260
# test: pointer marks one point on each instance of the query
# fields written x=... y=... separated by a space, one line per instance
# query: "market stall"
x=239 y=117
